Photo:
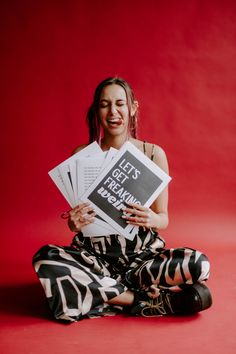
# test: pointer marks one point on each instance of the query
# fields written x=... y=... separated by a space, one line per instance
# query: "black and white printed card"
x=131 y=177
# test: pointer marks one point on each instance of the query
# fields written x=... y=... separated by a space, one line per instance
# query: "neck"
x=115 y=142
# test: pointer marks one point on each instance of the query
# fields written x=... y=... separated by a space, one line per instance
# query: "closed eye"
x=105 y=103
x=120 y=103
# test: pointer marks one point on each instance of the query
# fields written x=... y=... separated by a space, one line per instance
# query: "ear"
x=134 y=108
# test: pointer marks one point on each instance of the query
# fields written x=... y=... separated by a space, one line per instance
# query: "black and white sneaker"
x=190 y=300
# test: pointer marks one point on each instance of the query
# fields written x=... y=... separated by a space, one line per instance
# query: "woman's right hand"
x=82 y=215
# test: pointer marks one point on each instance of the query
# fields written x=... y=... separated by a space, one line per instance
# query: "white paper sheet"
x=65 y=177
x=57 y=178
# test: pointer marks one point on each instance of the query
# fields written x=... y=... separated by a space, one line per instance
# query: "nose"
x=113 y=109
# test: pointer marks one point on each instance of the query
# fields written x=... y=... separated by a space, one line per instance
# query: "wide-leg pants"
x=79 y=279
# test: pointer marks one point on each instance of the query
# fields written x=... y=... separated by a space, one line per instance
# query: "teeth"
x=114 y=120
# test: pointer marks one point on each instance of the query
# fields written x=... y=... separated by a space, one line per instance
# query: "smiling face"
x=113 y=110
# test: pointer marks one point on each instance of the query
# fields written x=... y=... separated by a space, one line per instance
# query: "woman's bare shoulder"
x=150 y=148
x=153 y=151
x=160 y=158
x=159 y=151
x=78 y=148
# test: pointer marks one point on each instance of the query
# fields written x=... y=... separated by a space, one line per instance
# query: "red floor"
x=26 y=326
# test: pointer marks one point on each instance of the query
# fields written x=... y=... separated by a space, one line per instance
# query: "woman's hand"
x=139 y=215
x=82 y=215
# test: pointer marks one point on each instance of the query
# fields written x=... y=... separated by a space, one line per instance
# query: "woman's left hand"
x=139 y=215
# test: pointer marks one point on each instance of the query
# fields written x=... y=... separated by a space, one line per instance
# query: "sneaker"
x=190 y=300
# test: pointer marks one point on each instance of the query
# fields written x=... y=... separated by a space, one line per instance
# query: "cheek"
x=125 y=115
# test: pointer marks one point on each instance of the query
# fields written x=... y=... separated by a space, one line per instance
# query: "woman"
x=97 y=276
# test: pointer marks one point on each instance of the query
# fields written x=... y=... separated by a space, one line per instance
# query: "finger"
x=87 y=216
x=81 y=206
x=87 y=221
x=86 y=210
x=129 y=213
x=139 y=212
x=136 y=220
x=83 y=222
x=136 y=206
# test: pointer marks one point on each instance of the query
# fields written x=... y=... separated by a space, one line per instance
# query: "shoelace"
x=156 y=307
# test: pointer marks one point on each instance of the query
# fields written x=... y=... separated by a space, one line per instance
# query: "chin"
x=117 y=131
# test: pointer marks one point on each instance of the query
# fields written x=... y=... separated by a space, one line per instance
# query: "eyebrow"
x=106 y=100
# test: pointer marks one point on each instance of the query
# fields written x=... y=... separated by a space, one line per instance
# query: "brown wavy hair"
x=92 y=114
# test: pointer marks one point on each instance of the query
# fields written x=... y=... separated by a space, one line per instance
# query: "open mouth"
x=114 y=121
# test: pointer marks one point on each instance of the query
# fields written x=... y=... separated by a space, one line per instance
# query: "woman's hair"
x=92 y=115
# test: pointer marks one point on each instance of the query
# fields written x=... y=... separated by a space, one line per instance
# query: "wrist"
x=161 y=222
x=72 y=227
x=157 y=224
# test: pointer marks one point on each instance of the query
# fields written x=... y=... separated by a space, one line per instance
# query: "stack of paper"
x=74 y=175
x=109 y=180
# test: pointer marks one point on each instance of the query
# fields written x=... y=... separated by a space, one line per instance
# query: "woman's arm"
x=160 y=205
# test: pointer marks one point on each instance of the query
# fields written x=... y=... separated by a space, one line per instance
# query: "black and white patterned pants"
x=79 y=279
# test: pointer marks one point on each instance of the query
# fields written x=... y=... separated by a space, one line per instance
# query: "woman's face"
x=113 y=110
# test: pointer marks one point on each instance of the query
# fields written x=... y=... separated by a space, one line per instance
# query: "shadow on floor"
x=28 y=300
x=24 y=300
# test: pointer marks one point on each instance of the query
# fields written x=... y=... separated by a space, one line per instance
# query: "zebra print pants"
x=79 y=279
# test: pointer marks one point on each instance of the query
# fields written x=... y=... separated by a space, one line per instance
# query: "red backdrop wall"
x=180 y=58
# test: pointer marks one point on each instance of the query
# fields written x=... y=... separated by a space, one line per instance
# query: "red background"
x=180 y=58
